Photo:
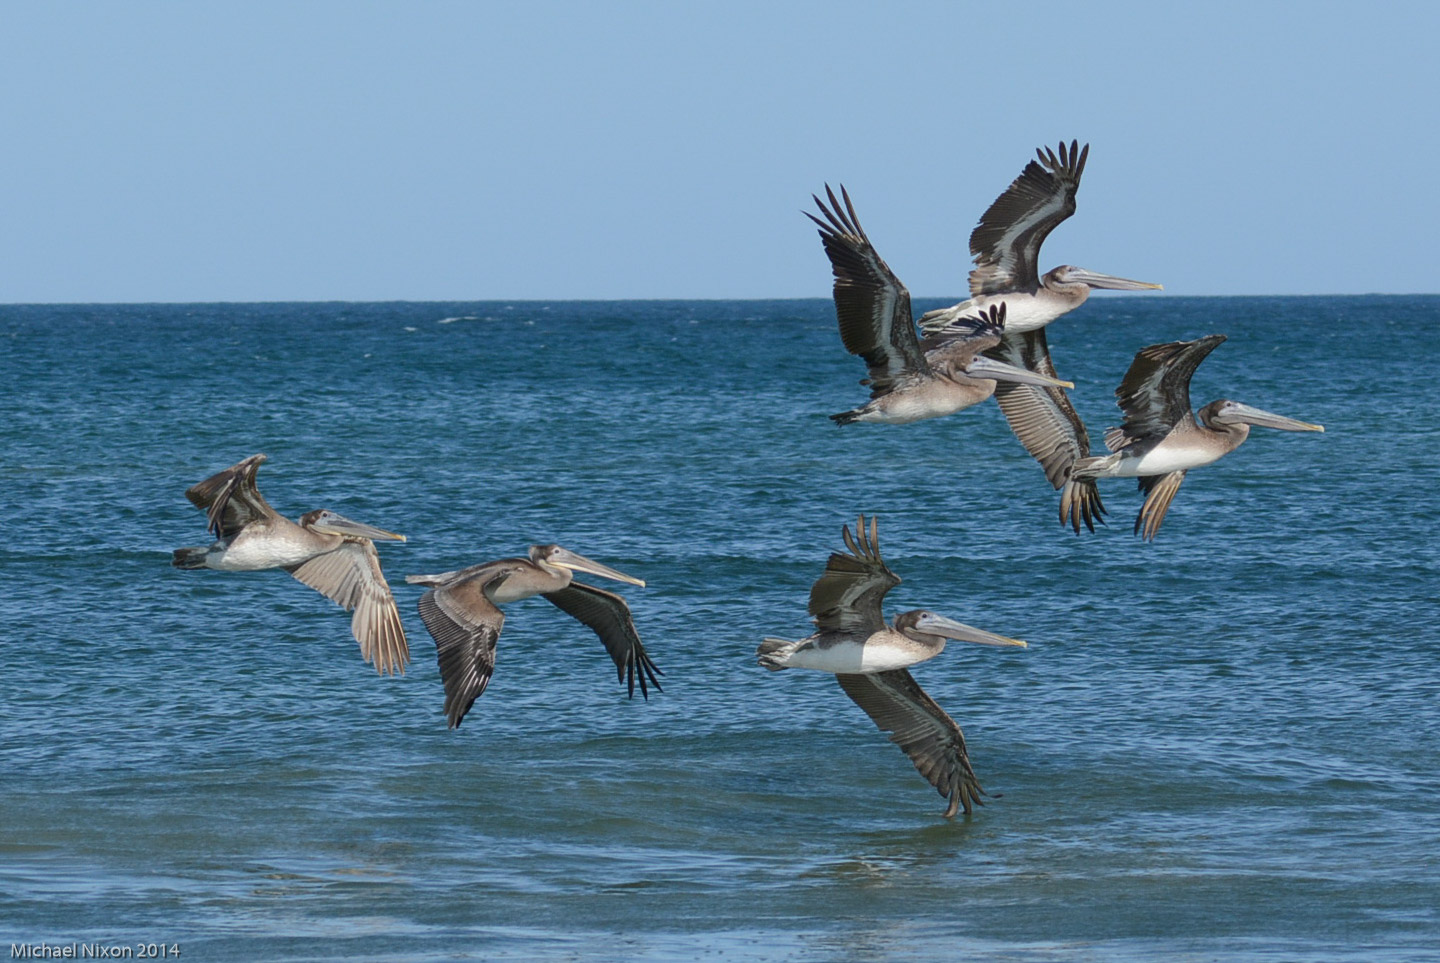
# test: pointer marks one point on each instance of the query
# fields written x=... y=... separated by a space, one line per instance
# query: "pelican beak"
x=340 y=525
x=1108 y=281
x=565 y=558
x=948 y=628
x=1265 y=419
x=983 y=367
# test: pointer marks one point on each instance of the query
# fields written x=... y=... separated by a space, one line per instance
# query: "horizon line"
x=691 y=300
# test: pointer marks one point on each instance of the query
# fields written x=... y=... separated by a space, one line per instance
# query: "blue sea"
x=1219 y=746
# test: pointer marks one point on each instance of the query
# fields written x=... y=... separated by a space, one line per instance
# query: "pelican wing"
x=230 y=499
x=1048 y=426
x=871 y=305
x=1159 y=493
x=848 y=596
x=465 y=626
x=1155 y=393
x=1006 y=242
x=351 y=577
x=486 y=572
x=932 y=740
x=607 y=614
x=960 y=340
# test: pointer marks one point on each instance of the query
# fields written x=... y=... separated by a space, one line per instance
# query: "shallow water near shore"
x=1218 y=745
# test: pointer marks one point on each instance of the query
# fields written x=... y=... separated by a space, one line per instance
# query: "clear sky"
x=255 y=150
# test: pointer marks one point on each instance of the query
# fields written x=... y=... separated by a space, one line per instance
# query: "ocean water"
x=1221 y=745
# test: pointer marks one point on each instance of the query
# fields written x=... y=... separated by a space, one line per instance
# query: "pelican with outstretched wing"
x=327 y=551
x=870 y=660
x=1161 y=439
x=461 y=610
x=910 y=378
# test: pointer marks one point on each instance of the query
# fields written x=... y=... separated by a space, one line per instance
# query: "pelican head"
x=1069 y=274
x=1227 y=412
x=556 y=557
x=922 y=622
x=326 y=522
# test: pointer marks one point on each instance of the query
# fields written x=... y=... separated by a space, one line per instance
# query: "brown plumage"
x=909 y=379
x=922 y=730
x=870 y=660
x=462 y=613
x=1006 y=242
x=326 y=551
x=1160 y=438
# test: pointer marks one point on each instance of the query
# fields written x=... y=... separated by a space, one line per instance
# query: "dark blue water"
x=1221 y=745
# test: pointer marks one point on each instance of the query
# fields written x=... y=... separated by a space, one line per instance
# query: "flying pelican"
x=869 y=659
x=461 y=610
x=909 y=379
x=327 y=551
x=1006 y=248
x=1160 y=439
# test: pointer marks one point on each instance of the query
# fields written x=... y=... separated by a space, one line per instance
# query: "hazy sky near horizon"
x=317 y=150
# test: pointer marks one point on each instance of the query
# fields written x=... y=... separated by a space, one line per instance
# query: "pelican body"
x=277 y=542
x=915 y=637
x=910 y=379
x=1056 y=293
x=870 y=661
x=330 y=553
x=461 y=611
x=1006 y=247
x=1161 y=439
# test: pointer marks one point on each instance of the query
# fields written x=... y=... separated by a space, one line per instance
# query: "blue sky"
x=439 y=150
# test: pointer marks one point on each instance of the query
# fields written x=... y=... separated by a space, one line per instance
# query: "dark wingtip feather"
x=1081 y=506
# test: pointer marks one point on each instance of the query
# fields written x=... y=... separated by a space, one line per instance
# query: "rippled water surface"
x=1219 y=745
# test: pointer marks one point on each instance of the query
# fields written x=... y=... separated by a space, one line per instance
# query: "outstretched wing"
x=848 y=596
x=871 y=305
x=1155 y=393
x=1006 y=242
x=932 y=740
x=607 y=614
x=1048 y=426
x=1159 y=493
x=465 y=626
x=960 y=340
x=351 y=577
x=230 y=499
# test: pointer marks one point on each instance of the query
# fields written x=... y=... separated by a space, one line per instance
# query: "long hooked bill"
x=983 y=367
x=960 y=632
x=579 y=563
x=340 y=525
x=1266 y=419
x=1110 y=282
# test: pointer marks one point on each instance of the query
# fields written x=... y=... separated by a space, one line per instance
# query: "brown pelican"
x=909 y=379
x=1006 y=247
x=870 y=659
x=327 y=551
x=461 y=610
x=1160 y=439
